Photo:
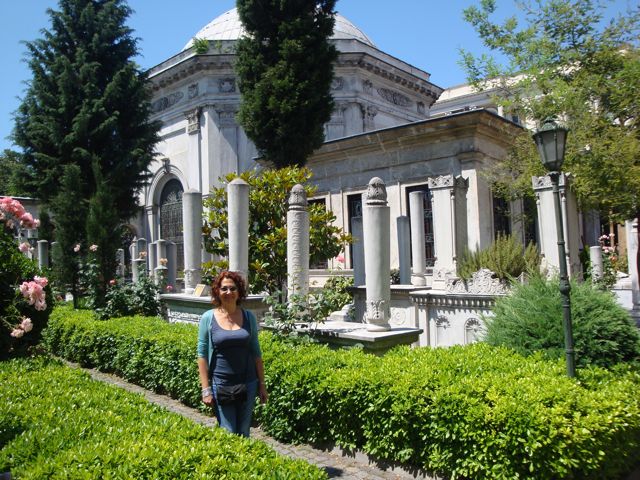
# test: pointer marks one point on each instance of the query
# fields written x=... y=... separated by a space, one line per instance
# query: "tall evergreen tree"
x=87 y=105
x=285 y=69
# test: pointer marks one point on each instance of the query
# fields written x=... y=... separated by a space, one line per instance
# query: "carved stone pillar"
x=238 y=208
x=192 y=234
x=448 y=194
x=376 y=226
x=43 y=254
x=297 y=242
x=404 y=249
x=547 y=224
x=194 y=154
x=416 y=202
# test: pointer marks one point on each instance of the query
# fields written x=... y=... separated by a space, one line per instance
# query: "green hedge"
x=463 y=412
x=56 y=422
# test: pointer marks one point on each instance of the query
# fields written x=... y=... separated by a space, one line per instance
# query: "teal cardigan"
x=205 y=345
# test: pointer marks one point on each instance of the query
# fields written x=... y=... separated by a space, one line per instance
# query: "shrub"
x=58 y=423
x=505 y=257
x=125 y=299
x=530 y=319
x=477 y=411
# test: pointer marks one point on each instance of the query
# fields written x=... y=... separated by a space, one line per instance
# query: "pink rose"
x=340 y=258
x=76 y=248
x=40 y=304
x=93 y=248
x=26 y=324
x=24 y=247
x=112 y=282
x=17 y=332
x=42 y=281
x=169 y=288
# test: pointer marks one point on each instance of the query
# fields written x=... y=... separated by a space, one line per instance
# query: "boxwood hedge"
x=463 y=412
x=56 y=422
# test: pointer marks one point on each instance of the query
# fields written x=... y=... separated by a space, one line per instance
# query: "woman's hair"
x=237 y=279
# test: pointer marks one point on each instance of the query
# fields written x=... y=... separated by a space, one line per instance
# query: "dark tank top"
x=232 y=358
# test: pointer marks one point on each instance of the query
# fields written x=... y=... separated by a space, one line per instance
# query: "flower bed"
x=58 y=423
x=463 y=412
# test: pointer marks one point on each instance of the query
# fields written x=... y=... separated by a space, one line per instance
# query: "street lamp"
x=550 y=140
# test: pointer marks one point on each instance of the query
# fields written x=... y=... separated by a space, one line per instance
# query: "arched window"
x=442 y=323
x=471 y=331
x=171 y=218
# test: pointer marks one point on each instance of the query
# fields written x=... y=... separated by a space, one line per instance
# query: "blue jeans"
x=236 y=417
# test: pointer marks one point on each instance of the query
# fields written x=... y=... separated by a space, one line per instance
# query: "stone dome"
x=229 y=27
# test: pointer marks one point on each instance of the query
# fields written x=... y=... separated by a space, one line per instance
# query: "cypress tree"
x=285 y=69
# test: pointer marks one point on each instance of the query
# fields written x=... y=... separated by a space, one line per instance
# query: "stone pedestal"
x=376 y=225
x=43 y=254
x=141 y=246
x=138 y=268
x=160 y=269
x=595 y=255
x=547 y=225
x=192 y=234
x=357 y=261
x=448 y=195
x=404 y=249
x=297 y=242
x=238 y=208
x=419 y=262
x=152 y=255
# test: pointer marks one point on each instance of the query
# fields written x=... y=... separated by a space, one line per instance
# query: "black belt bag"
x=228 y=394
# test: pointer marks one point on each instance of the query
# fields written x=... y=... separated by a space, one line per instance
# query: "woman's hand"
x=262 y=392
x=207 y=397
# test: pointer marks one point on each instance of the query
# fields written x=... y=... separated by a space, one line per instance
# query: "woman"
x=229 y=356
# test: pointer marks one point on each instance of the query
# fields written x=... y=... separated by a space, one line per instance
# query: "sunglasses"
x=228 y=289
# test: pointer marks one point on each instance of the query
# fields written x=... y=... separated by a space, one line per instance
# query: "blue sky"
x=425 y=33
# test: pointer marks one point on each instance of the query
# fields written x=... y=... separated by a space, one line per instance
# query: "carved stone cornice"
x=544 y=182
x=193 y=120
x=424 y=298
x=394 y=97
x=482 y=282
x=167 y=101
x=226 y=113
x=447 y=181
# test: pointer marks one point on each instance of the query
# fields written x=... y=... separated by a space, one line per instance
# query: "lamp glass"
x=550 y=140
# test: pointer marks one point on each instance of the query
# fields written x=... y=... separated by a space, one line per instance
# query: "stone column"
x=120 y=263
x=404 y=249
x=192 y=234
x=419 y=262
x=172 y=265
x=631 y=227
x=448 y=194
x=152 y=256
x=133 y=252
x=238 y=208
x=297 y=242
x=595 y=255
x=547 y=225
x=358 y=251
x=376 y=225
x=141 y=245
x=43 y=254
x=160 y=270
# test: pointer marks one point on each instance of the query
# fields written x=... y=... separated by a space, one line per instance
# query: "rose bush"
x=24 y=291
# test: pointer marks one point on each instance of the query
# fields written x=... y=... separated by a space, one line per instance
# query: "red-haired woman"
x=229 y=356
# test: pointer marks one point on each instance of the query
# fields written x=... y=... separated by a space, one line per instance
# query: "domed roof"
x=229 y=27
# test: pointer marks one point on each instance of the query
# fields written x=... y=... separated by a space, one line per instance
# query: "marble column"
x=404 y=249
x=297 y=242
x=160 y=269
x=448 y=194
x=631 y=227
x=152 y=256
x=419 y=262
x=358 y=252
x=172 y=265
x=595 y=255
x=133 y=253
x=192 y=234
x=238 y=208
x=43 y=254
x=376 y=224
x=141 y=246
x=547 y=225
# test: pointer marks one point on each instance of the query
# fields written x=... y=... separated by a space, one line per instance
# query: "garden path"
x=337 y=465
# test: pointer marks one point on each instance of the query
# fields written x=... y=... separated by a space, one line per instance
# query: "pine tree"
x=285 y=69
x=87 y=105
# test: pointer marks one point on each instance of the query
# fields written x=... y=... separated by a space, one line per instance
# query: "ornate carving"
x=472 y=330
x=166 y=102
x=376 y=192
x=227 y=85
x=337 y=83
x=369 y=114
x=545 y=181
x=441 y=181
x=482 y=282
x=192 y=91
x=182 y=317
x=394 y=97
x=376 y=310
x=398 y=316
x=420 y=108
x=193 y=121
x=367 y=86
x=227 y=115
x=298 y=198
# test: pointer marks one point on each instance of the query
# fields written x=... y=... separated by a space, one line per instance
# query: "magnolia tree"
x=23 y=291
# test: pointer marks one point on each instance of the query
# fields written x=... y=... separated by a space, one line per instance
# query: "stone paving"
x=356 y=467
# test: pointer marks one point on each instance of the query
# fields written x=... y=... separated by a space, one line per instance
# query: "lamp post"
x=550 y=140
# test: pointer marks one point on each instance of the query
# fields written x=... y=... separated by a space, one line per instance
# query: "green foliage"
x=125 y=299
x=477 y=411
x=201 y=45
x=56 y=422
x=505 y=257
x=285 y=70
x=10 y=171
x=530 y=320
x=15 y=268
x=268 y=197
